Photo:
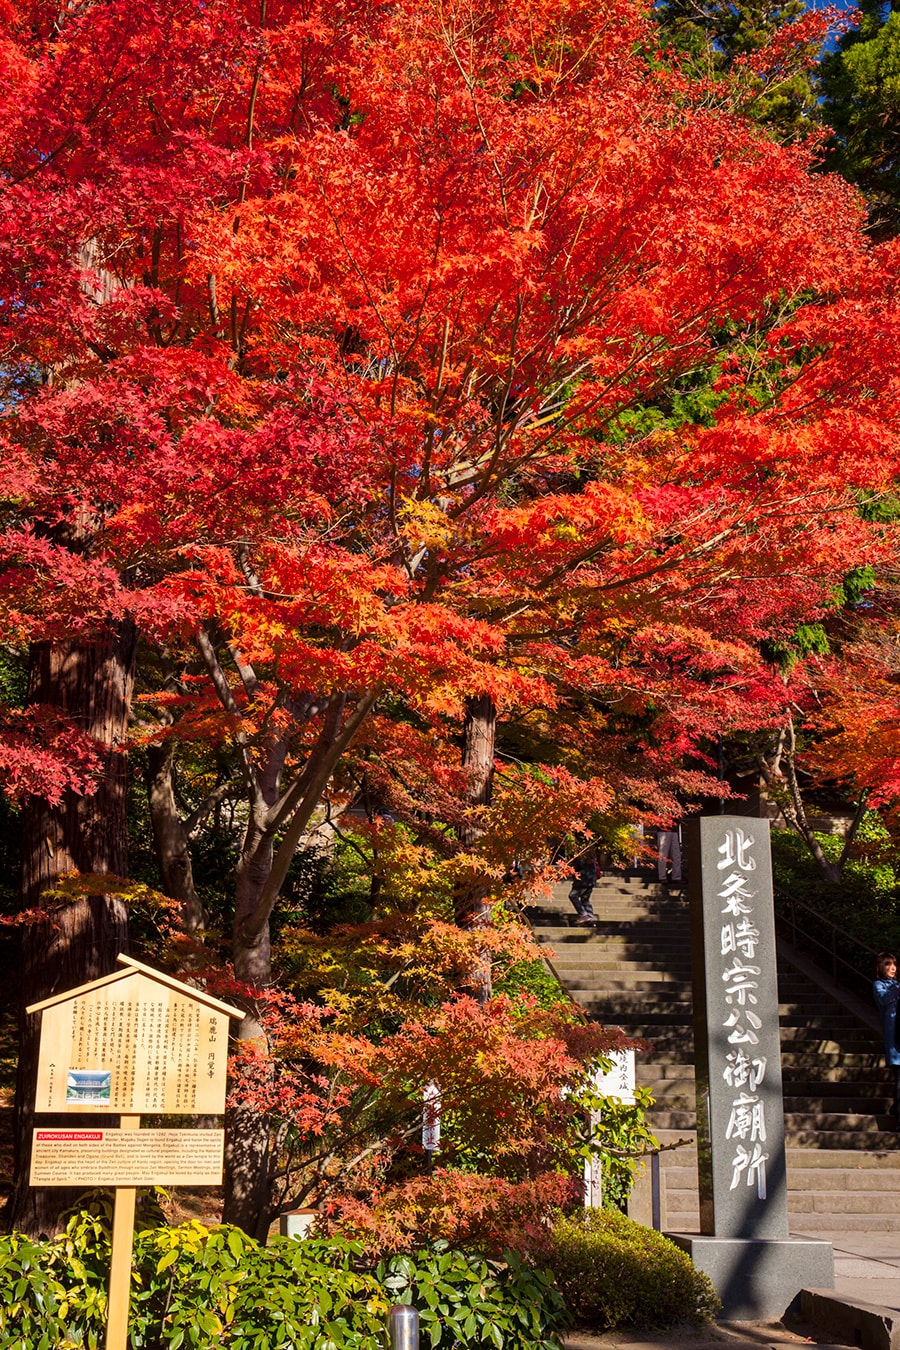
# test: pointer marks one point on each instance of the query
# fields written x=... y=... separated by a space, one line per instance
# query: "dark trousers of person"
x=896 y=1106
x=580 y=895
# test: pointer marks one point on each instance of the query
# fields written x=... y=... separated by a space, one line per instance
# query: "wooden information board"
x=136 y=1042
x=127 y=1157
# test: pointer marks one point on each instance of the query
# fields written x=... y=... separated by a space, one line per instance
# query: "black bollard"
x=403 y=1328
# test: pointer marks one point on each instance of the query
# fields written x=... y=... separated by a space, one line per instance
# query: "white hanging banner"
x=431 y=1117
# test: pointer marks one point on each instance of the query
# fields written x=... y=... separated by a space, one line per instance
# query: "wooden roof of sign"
x=131 y=968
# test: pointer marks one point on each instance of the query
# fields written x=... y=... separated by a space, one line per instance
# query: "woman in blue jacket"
x=887 y=993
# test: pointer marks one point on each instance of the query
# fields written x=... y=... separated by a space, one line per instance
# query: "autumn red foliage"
x=343 y=347
x=339 y=1071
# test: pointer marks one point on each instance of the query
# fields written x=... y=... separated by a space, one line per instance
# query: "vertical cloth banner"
x=431 y=1117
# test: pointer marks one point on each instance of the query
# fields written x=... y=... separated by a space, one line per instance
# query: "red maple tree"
x=331 y=333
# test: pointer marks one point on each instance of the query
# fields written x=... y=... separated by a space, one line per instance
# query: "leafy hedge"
x=468 y=1300
x=195 y=1288
x=613 y=1272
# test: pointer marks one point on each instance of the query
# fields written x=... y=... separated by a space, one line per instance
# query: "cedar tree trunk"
x=91 y=684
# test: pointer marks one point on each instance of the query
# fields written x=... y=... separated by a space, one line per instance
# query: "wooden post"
x=120 y=1266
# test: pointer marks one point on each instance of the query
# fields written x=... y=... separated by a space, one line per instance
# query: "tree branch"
x=254 y=924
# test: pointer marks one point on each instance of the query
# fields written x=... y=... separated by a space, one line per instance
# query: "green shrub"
x=192 y=1287
x=467 y=1300
x=195 y=1288
x=866 y=903
x=200 y=1288
x=35 y=1306
x=613 y=1272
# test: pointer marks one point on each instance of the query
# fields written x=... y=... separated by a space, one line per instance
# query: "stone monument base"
x=759 y=1278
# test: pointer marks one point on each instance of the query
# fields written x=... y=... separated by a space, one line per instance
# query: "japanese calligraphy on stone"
x=744 y=1067
x=740 y=1110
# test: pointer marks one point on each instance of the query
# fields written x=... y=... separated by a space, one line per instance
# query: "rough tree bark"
x=92 y=685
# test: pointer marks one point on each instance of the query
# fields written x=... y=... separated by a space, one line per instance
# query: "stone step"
x=646 y=904
x=799 y=1123
x=850 y=1160
x=673 y=1071
x=564 y=927
x=594 y=949
x=864 y=1182
x=835 y=1082
x=850 y=1223
x=613 y=884
x=822 y=1038
x=627 y=894
x=675 y=1018
x=650 y=901
x=864 y=1140
x=824 y=1106
x=808 y=1017
x=595 y=945
x=841 y=1081
x=651 y=927
x=831 y=1055
x=628 y=1002
x=610 y=973
x=664 y=1090
x=830 y=1203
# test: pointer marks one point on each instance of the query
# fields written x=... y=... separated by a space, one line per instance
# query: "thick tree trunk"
x=479 y=739
x=170 y=838
x=247 y=1199
x=91 y=684
x=253 y=954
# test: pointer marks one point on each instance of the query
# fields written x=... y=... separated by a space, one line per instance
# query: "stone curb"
x=867 y=1325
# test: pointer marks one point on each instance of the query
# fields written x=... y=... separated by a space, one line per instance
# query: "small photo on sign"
x=88 y=1085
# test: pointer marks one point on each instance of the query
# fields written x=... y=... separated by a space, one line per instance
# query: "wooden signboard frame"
x=136 y=1041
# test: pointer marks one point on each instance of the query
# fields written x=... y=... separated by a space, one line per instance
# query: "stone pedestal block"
x=759 y=1278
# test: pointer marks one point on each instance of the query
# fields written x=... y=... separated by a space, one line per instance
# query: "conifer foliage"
x=860 y=86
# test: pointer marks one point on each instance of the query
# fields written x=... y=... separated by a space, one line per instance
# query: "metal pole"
x=403 y=1327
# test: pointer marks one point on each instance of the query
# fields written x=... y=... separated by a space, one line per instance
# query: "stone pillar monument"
x=744 y=1247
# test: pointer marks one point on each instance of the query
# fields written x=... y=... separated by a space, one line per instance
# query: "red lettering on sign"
x=77 y=1136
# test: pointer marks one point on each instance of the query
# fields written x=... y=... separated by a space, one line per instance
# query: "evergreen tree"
x=767 y=49
x=860 y=86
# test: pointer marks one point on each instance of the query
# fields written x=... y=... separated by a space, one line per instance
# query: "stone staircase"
x=633 y=970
